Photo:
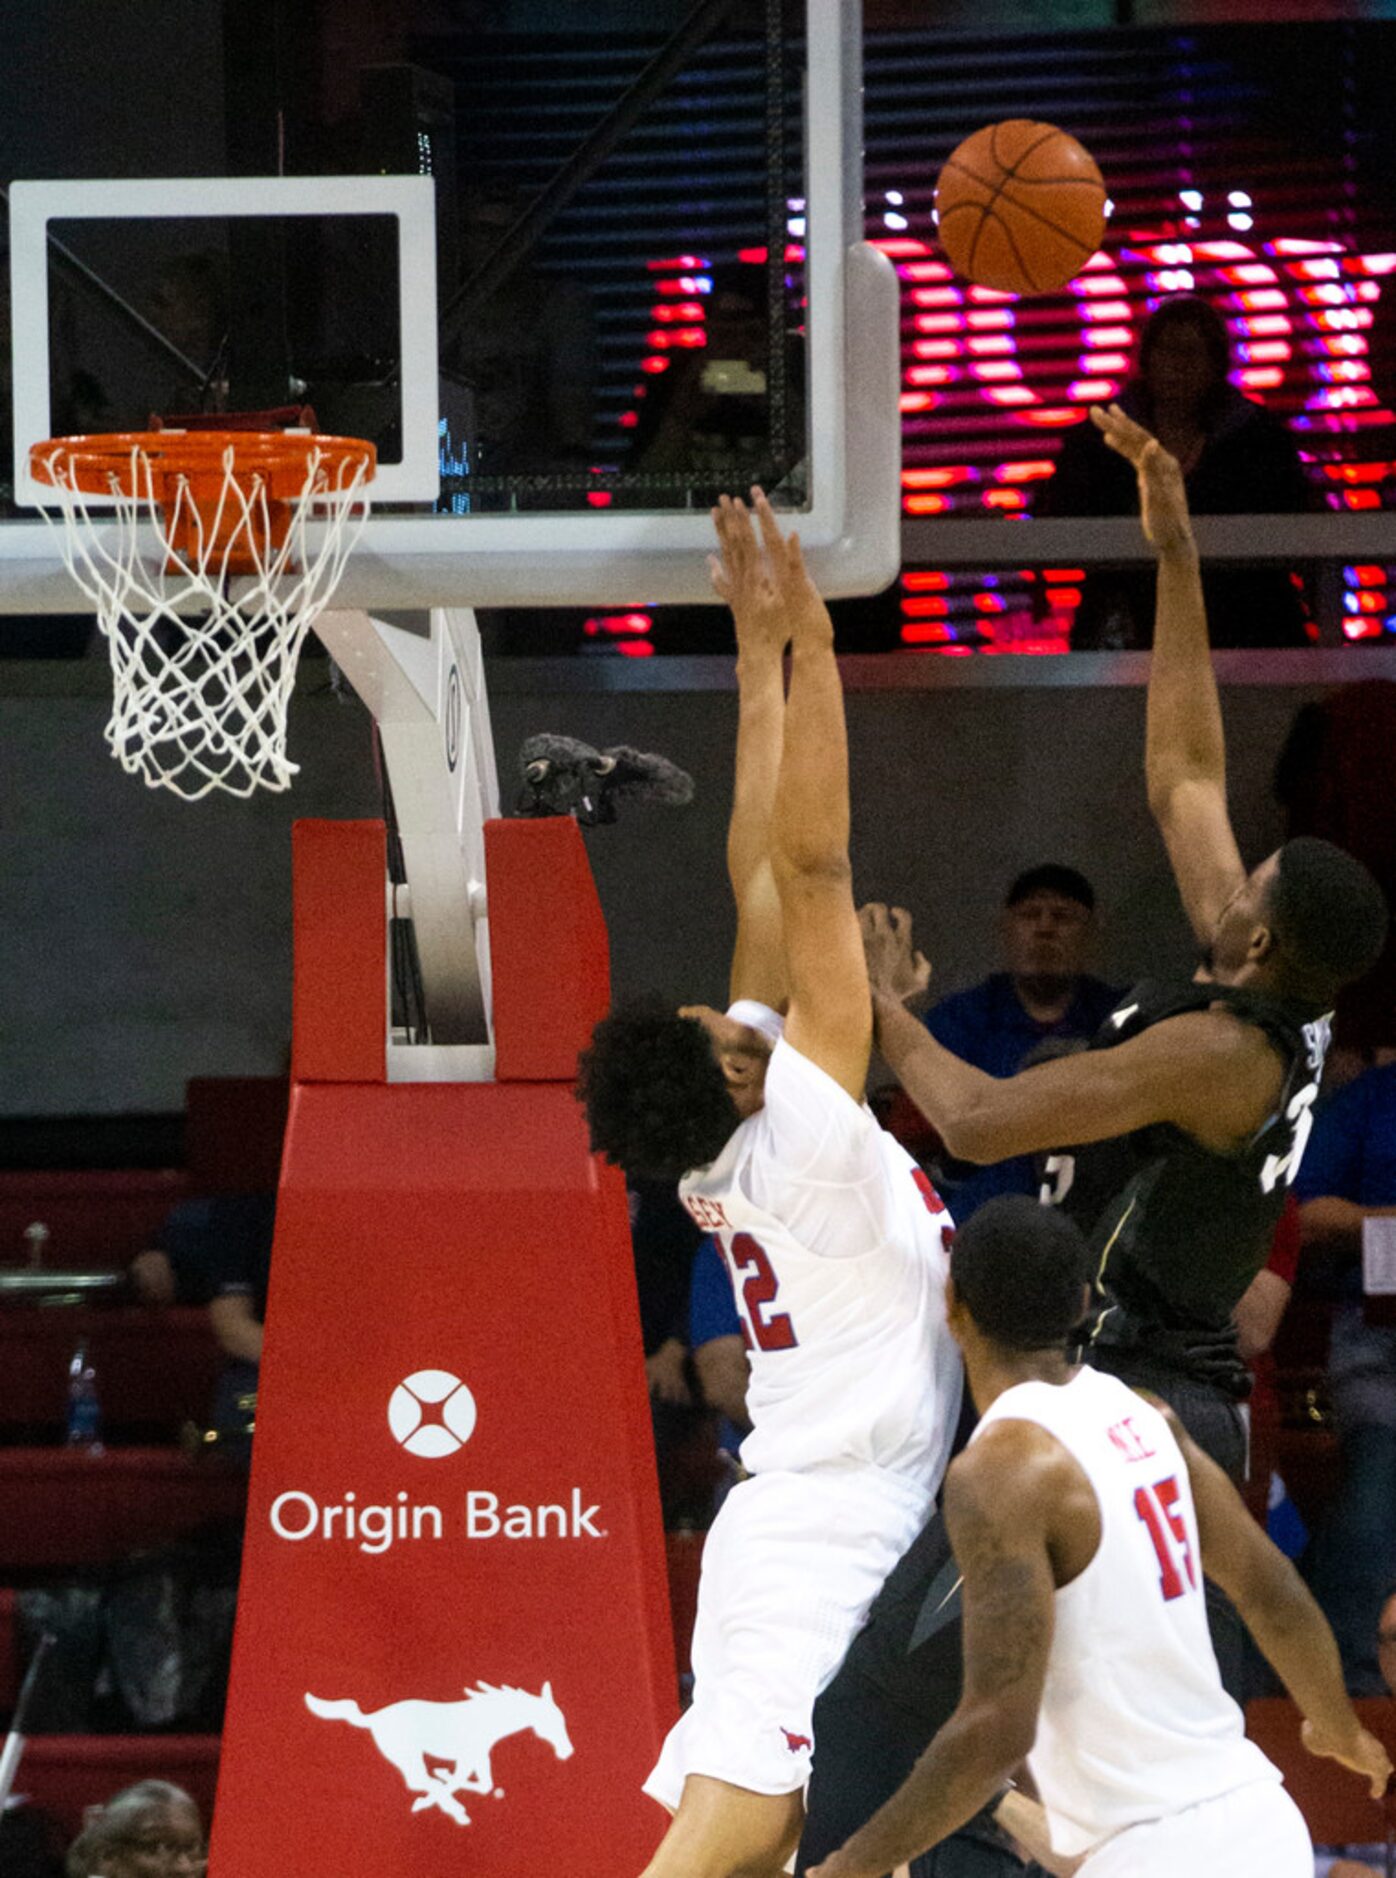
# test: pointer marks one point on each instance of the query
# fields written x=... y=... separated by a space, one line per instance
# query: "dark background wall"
x=147 y=940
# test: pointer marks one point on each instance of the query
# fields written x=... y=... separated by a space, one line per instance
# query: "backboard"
x=560 y=369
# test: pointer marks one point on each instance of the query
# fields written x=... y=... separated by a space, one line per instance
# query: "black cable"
x=409 y=993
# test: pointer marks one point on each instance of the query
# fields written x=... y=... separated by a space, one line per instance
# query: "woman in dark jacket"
x=1237 y=458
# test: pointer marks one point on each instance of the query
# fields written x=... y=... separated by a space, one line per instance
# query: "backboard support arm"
x=421 y=676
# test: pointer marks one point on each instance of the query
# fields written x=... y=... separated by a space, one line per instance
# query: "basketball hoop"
x=208 y=559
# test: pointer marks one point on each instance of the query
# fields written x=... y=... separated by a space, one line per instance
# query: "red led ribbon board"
x=453 y=1650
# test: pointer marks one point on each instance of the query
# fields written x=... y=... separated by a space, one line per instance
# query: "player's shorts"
x=790 y=1566
x=1256 y=1831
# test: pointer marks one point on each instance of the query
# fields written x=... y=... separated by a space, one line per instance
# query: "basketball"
x=1020 y=207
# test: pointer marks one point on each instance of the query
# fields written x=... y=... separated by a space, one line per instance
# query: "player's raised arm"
x=1280 y=1613
x=741 y=578
x=830 y=1018
x=998 y=1499
x=1185 y=755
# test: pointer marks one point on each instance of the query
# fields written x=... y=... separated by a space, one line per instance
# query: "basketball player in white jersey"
x=1083 y=1518
x=833 y=1236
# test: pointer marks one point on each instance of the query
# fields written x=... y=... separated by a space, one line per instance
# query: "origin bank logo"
x=431 y=1414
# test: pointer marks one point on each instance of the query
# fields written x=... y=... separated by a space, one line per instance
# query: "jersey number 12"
x=765 y=1329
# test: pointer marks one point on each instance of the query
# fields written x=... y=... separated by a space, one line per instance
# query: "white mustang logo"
x=461 y=1735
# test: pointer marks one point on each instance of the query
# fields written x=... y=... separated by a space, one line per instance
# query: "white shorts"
x=1256 y=1831
x=791 y=1564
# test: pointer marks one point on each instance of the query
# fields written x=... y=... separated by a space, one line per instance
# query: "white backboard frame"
x=411 y=200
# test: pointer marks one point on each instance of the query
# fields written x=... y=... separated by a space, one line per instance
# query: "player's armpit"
x=1206 y=1072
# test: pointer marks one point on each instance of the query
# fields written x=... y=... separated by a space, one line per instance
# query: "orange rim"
x=90 y=463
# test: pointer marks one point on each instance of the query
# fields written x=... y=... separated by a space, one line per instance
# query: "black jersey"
x=1185 y=1230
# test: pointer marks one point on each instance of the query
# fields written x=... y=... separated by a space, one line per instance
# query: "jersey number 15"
x=1160 y=1511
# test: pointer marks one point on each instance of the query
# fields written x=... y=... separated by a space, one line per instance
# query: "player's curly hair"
x=1021 y=1271
x=656 y=1100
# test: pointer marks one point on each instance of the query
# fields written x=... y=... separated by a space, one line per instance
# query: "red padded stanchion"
x=453 y=1649
x=548 y=948
x=340 y=1020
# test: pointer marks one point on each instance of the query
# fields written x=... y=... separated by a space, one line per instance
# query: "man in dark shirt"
x=1045 y=994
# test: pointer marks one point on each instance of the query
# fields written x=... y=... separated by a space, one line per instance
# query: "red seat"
x=154 y=1368
x=98 y=1218
x=1335 y=1804
x=61 y=1775
x=61 y=1508
x=234 y=1127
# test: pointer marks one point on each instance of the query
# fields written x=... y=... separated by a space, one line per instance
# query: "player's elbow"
x=1003 y=1733
x=810 y=864
x=1181 y=786
x=1166 y=782
x=974 y=1134
x=1271 y=1596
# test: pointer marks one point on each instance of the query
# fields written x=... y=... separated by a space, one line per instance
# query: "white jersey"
x=835 y=1241
x=1135 y=1724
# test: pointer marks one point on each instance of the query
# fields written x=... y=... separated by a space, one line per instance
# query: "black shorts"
x=901 y=1678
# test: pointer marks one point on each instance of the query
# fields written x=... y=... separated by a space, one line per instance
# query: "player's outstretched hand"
x=1163 y=496
x=763 y=578
x=895 y=968
x=1354 y=1748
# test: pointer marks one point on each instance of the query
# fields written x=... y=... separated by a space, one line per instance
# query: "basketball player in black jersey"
x=1212 y=1083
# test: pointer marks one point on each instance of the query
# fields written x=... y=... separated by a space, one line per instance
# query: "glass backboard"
x=559 y=383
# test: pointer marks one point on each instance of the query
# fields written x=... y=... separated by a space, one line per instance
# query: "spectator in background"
x=1347 y=1176
x=217 y=1252
x=146 y=1831
x=1266 y=1299
x=664 y=1240
x=1237 y=458
x=1046 y=936
x=1259 y=1313
x=181 y=1266
x=708 y=415
x=720 y=1361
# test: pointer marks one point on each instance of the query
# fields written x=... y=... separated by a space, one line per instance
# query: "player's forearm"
x=1184 y=741
x=810 y=825
x=1292 y=1634
x=236 y=1330
x=1337 y=1223
x=968 y=1762
x=760 y=736
x=950 y=1093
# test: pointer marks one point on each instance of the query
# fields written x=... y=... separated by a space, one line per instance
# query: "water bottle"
x=84 y=1407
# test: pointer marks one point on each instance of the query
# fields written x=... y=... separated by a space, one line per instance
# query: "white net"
x=203 y=610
